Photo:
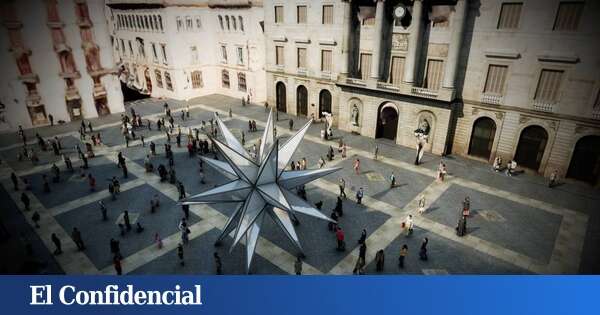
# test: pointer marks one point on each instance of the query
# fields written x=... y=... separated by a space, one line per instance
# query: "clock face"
x=399 y=12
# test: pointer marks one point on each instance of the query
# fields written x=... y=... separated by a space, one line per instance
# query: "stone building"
x=482 y=78
x=56 y=59
x=182 y=49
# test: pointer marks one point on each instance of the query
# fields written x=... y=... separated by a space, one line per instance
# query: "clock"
x=399 y=12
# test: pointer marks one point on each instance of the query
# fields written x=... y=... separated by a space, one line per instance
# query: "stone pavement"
x=517 y=226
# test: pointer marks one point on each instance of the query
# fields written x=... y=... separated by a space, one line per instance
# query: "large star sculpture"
x=260 y=186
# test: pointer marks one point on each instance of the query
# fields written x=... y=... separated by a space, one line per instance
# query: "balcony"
x=302 y=72
x=494 y=99
x=29 y=78
x=325 y=75
x=388 y=86
x=424 y=92
x=356 y=81
x=544 y=106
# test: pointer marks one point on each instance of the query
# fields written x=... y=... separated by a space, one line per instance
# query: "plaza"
x=518 y=225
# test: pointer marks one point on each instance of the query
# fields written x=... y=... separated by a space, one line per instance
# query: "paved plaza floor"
x=517 y=225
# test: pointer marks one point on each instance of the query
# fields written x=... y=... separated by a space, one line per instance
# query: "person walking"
x=103 y=210
x=15 y=181
x=339 y=235
x=421 y=208
x=181 y=190
x=392 y=181
x=342 y=186
x=379 y=260
x=36 y=219
x=180 y=254
x=218 y=264
x=344 y=150
x=359 y=266
x=291 y=124
x=25 y=200
x=321 y=162
x=376 y=152
x=92 y=182
x=356 y=166
x=339 y=207
x=359 y=196
x=115 y=248
x=126 y=220
x=362 y=251
x=117 y=265
x=408 y=225
x=553 y=179
x=466 y=206
x=363 y=236
x=57 y=244
x=298 y=266
x=51 y=118
x=423 y=250
x=186 y=211
x=403 y=254
x=76 y=236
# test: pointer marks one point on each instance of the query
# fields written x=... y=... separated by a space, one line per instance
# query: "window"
x=189 y=24
x=434 y=74
x=279 y=55
x=233 y=21
x=224 y=53
x=242 y=82
x=194 y=54
x=141 y=50
x=327 y=14
x=301 y=14
x=158 y=76
x=198 y=23
x=240 y=55
x=197 y=80
x=221 y=22
x=123 y=47
x=241 y=23
x=164 y=53
x=130 y=48
x=179 y=24
x=568 y=16
x=302 y=58
x=160 y=22
x=365 y=66
x=549 y=85
x=510 y=13
x=146 y=24
x=597 y=102
x=496 y=77
x=227 y=22
x=155 y=22
x=154 y=54
x=326 y=60
x=278 y=14
x=168 y=81
x=152 y=22
x=225 y=78
x=396 y=70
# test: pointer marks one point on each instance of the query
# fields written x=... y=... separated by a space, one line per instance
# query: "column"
x=377 y=40
x=414 y=44
x=346 y=44
x=458 y=26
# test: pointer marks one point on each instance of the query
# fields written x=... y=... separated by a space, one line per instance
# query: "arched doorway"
x=148 y=81
x=301 y=101
x=324 y=102
x=585 y=163
x=387 y=122
x=280 y=97
x=482 y=137
x=530 y=149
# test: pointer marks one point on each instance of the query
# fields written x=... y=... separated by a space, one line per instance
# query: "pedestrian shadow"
x=430 y=209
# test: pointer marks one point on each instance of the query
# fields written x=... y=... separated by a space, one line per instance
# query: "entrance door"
x=482 y=137
x=530 y=149
x=102 y=106
x=301 y=101
x=74 y=107
x=387 y=123
x=280 y=97
x=324 y=102
x=585 y=163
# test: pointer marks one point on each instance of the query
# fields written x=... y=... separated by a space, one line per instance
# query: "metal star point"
x=260 y=186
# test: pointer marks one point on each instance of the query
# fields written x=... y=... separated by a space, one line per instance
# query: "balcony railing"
x=355 y=81
x=424 y=92
x=388 y=86
x=596 y=113
x=494 y=99
x=544 y=106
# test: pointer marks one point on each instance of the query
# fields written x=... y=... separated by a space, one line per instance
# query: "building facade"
x=57 y=60
x=480 y=79
x=185 y=49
